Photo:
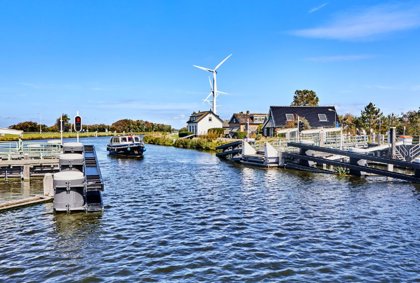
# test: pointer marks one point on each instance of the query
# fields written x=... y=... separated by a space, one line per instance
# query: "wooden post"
x=26 y=170
x=392 y=137
x=48 y=185
x=303 y=162
x=356 y=161
x=417 y=170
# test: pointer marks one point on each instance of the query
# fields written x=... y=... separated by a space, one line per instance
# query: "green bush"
x=239 y=135
x=184 y=133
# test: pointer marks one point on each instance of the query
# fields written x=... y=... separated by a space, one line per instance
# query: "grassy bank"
x=50 y=135
x=173 y=140
x=205 y=144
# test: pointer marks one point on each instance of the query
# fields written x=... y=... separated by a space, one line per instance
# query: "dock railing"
x=34 y=150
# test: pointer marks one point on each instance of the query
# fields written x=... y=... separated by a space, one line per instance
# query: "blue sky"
x=133 y=59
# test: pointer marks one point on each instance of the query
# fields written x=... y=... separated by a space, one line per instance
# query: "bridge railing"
x=17 y=150
x=41 y=149
x=9 y=150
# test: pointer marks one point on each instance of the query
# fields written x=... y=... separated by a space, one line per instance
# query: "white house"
x=200 y=122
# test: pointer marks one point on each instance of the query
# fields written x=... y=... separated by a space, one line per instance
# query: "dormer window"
x=322 y=118
x=290 y=117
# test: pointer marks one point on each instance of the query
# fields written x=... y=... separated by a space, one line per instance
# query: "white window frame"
x=323 y=117
x=290 y=117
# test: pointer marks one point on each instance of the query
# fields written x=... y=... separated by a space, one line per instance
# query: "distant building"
x=200 y=122
x=280 y=117
x=241 y=122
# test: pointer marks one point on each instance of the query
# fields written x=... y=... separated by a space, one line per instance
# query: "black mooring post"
x=302 y=161
x=354 y=172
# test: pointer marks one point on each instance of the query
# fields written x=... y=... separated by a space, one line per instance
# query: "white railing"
x=16 y=150
x=414 y=151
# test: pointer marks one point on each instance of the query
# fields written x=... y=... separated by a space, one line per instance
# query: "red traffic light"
x=77 y=123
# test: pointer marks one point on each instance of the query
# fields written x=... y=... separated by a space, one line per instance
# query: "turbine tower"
x=214 y=92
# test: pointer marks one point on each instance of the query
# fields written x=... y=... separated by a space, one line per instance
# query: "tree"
x=305 y=98
x=66 y=123
x=370 y=117
x=348 y=121
x=411 y=120
x=29 y=126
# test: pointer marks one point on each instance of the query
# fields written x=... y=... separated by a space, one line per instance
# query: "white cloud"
x=367 y=23
x=339 y=58
x=315 y=9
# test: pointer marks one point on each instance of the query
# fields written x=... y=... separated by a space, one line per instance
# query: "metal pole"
x=77 y=132
x=61 y=128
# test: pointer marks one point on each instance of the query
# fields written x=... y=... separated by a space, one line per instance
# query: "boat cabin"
x=126 y=139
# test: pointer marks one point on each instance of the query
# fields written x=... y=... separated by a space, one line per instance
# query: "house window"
x=322 y=118
x=290 y=117
x=210 y=118
x=259 y=119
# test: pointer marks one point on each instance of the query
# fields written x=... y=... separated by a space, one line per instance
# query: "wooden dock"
x=243 y=152
x=13 y=204
x=356 y=164
x=315 y=159
x=27 y=168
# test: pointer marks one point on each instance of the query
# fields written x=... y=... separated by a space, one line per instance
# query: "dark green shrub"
x=239 y=135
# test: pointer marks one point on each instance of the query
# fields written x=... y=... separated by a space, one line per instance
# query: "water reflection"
x=16 y=189
x=184 y=216
x=67 y=225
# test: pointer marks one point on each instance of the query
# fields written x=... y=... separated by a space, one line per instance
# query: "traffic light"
x=301 y=125
x=77 y=123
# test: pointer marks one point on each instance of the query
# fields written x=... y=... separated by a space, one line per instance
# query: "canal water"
x=185 y=216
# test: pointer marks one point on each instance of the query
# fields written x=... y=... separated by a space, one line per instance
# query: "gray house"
x=280 y=117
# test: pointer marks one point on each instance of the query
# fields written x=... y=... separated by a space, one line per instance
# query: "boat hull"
x=135 y=151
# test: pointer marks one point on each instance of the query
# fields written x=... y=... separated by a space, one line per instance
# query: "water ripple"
x=185 y=216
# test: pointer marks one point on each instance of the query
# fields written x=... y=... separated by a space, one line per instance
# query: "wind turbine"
x=214 y=92
x=211 y=93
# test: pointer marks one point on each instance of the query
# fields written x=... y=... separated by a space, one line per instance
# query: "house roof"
x=200 y=115
x=242 y=118
x=310 y=113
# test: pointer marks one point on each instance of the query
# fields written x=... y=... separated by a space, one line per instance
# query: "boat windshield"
x=136 y=139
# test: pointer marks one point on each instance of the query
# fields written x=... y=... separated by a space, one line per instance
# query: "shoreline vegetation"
x=156 y=138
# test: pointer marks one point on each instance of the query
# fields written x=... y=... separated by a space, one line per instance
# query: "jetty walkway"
x=357 y=158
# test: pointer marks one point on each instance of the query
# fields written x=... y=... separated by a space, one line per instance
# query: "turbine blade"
x=204 y=69
x=220 y=64
x=207 y=98
x=222 y=92
x=211 y=85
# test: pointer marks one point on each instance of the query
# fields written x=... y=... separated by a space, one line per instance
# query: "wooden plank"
x=30 y=162
x=224 y=153
x=232 y=144
x=381 y=172
x=24 y=202
x=355 y=155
